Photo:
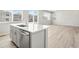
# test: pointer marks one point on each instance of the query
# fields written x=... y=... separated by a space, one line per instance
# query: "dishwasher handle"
x=25 y=33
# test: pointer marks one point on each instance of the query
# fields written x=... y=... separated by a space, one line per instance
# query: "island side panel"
x=37 y=39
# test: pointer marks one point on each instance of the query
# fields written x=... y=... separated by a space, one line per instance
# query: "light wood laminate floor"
x=63 y=37
x=58 y=37
x=5 y=42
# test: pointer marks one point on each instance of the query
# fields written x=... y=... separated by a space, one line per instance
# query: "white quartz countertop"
x=32 y=27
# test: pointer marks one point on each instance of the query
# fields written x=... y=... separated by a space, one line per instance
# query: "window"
x=31 y=18
x=32 y=14
x=17 y=15
x=35 y=18
x=10 y=15
x=5 y=16
x=7 y=19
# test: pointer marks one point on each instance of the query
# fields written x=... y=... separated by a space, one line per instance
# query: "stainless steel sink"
x=22 y=25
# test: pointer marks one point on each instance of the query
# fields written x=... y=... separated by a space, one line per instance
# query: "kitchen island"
x=29 y=36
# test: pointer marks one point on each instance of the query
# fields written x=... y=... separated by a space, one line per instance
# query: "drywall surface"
x=67 y=17
x=5 y=27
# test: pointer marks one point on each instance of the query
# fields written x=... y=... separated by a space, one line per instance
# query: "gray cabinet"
x=5 y=16
x=24 y=40
x=15 y=35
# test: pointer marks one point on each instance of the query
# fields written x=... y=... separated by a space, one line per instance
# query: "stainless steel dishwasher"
x=24 y=39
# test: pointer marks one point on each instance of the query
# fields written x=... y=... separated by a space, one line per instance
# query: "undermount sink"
x=22 y=25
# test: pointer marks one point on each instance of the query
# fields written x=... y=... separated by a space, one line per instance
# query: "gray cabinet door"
x=17 y=38
x=24 y=41
x=15 y=35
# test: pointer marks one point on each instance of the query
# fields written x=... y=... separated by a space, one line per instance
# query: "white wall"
x=67 y=17
x=5 y=27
